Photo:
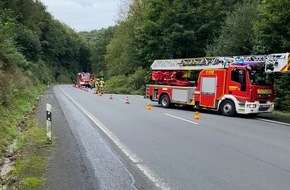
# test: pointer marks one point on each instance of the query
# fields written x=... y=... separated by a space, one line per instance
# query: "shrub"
x=131 y=84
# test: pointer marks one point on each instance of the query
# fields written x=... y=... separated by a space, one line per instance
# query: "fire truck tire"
x=228 y=108
x=165 y=101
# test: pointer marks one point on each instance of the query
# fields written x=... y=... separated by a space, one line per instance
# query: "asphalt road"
x=114 y=145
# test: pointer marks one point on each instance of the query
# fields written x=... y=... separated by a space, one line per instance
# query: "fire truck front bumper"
x=256 y=107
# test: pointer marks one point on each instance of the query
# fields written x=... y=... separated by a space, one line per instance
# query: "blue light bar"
x=240 y=62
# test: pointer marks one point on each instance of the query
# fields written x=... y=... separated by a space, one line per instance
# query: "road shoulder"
x=66 y=169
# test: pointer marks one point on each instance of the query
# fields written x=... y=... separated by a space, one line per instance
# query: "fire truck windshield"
x=86 y=76
x=260 y=77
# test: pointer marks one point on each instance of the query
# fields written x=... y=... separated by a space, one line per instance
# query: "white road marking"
x=122 y=100
x=115 y=139
x=176 y=117
x=151 y=176
x=271 y=121
x=132 y=156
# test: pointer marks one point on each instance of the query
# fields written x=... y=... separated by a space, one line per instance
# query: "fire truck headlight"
x=251 y=105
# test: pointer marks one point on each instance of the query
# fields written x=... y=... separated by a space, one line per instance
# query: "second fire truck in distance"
x=229 y=85
x=85 y=79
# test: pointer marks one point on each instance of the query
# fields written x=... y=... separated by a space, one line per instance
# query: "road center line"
x=176 y=117
x=276 y=122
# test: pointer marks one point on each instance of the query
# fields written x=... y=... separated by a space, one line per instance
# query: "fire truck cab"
x=83 y=79
x=229 y=85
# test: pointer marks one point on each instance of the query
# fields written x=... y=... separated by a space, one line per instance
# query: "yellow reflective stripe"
x=233 y=87
x=192 y=102
x=264 y=91
x=288 y=62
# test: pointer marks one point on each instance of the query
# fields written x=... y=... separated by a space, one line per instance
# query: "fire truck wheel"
x=165 y=101
x=228 y=108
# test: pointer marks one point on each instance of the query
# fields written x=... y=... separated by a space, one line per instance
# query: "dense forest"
x=36 y=48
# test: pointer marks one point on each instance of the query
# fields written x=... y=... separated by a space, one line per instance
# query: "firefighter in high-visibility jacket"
x=97 y=85
x=101 y=85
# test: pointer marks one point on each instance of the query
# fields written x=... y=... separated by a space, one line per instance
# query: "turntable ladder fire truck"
x=229 y=85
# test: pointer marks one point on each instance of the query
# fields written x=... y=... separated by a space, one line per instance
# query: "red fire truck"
x=84 y=79
x=229 y=85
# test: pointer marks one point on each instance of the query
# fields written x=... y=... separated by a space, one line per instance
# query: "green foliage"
x=272 y=29
x=63 y=49
x=98 y=40
x=130 y=84
x=137 y=81
x=20 y=102
x=236 y=36
x=32 y=40
x=281 y=113
x=40 y=73
x=282 y=100
x=116 y=85
x=5 y=89
x=32 y=163
x=121 y=56
x=29 y=13
x=10 y=82
x=28 y=43
x=31 y=183
x=177 y=28
x=84 y=54
x=7 y=24
x=64 y=78
x=9 y=55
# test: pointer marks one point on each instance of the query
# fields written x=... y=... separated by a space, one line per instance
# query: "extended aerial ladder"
x=273 y=62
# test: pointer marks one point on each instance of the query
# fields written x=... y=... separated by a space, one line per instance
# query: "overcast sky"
x=84 y=15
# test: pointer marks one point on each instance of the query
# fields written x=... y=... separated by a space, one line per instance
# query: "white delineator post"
x=48 y=122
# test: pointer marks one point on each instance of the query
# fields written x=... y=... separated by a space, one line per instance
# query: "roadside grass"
x=31 y=162
x=14 y=114
x=30 y=153
x=280 y=113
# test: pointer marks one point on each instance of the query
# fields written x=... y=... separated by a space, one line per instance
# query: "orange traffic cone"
x=149 y=106
x=196 y=115
x=127 y=100
x=111 y=97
